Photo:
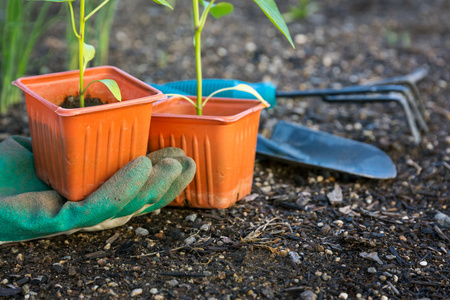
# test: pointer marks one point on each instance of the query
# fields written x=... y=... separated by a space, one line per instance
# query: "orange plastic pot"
x=222 y=142
x=76 y=150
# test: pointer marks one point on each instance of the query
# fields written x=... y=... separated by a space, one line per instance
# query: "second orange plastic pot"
x=222 y=142
x=76 y=150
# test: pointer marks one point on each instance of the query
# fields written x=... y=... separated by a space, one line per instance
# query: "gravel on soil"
x=383 y=240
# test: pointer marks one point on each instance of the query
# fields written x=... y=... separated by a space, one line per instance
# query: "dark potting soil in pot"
x=74 y=102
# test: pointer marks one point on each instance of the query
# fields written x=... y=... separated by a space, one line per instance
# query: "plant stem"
x=72 y=17
x=95 y=10
x=81 y=50
x=198 y=55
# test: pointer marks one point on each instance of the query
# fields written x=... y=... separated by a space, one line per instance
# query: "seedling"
x=219 y=10
x=20 y=28
x=86 y=52
x=301 y=11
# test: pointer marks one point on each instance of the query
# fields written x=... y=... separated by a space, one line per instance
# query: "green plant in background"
x=219 y=10
x=19 y=31
x=301 y=11
x=86 y=52
x=399 y=39
x=100 y=32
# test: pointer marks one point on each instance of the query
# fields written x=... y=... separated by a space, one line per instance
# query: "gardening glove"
x=30 y=209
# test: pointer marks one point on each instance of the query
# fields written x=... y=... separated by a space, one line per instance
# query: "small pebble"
x=191 y=217
x=308 y=295
x=339 y=223
x=205 y=227
x=423 y=263
x=442 y=219
x=136 y=292
x=325 y=277
x=387 y=274
x=301 y=39
x=25 y=289
x=390 y=257
x=395 y=277
x=343 y=296
x=154 y=291
x=371 y=270
x=384 y=298
x=190 y=240
x=141 y=231
x=266 y=189
x=328 y=251
x=295 y=257
x=173 y=283
x=159 y=297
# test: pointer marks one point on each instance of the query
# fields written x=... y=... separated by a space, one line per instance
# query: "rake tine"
x=363 y=89
x=406 y=92
x=409 y=80
x=391 y=97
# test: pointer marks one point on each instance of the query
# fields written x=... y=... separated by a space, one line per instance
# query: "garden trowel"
x=299 y=145
x=295 y=144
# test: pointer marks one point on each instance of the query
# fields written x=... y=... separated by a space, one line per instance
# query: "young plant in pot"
x=76 y=150
x=219 y=134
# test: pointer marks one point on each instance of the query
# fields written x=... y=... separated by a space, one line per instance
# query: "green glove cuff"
x=30 y=209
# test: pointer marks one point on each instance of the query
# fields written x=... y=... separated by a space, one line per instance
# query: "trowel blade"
x=297 y=144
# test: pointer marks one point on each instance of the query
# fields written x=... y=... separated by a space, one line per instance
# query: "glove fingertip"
x=160 y=154
x=183 y=180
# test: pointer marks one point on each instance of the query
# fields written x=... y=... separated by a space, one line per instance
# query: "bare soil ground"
x=381 y=242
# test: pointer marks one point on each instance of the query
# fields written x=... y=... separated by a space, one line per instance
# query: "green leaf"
x=88 y=54
x=110 y=84
x=183 y=97
x=220 y=9
x=113 y=87
x=163 y=2
x=270 y=8
x=242 y=88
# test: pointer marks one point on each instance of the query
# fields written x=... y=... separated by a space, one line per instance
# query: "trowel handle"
x=189 y=87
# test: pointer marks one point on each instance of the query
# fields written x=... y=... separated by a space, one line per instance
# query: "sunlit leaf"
x=163 y=2
x=110 y=84
x=88 y=53
x=270 y=8
x=183 y=97
x=220 y=9
x=113 y=87
x=241 y=88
